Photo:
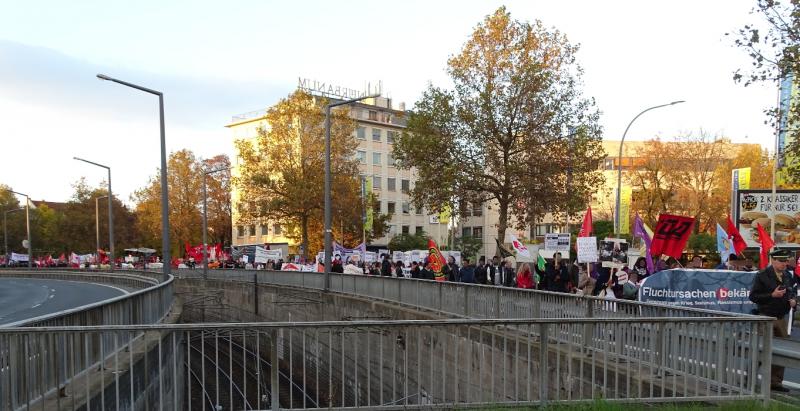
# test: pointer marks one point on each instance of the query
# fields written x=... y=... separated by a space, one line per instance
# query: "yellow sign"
x=744 y=178
x=625 y=210
x=369 y=219
x=444 y=215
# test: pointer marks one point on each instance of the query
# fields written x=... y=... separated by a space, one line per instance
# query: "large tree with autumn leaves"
x=515 y=128
x=281 y=173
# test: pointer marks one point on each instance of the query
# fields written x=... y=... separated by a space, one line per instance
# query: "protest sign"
x=722 y=290
x=587 y=249
x=556 y=241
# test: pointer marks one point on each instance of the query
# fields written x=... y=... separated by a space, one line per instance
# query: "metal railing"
x=385 y=364
x=460 y=299
x=148 y=305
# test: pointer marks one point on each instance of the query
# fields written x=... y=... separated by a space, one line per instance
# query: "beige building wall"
x=379 y=124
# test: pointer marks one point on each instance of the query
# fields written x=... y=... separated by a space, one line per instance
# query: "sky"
x=213 y=60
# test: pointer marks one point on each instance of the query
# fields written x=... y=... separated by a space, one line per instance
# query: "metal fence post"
x=766 y=362
x=497 y=292
x=543 y=363
x=274 y=371
x=440 y=295
x=588 y=328
x=466 y=300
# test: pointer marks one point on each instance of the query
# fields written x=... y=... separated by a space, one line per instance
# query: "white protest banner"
x=587 y=249
x=261 y=255
x=370 y=257
x=556 y=241
x=398 y=256
x=19 y=257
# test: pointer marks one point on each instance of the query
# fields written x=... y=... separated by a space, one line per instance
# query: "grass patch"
x=610 y=406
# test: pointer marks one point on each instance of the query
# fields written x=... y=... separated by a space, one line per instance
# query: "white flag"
x=521 y=249
x=31 y=205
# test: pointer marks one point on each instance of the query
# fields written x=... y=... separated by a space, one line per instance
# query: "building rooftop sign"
x=331 y=90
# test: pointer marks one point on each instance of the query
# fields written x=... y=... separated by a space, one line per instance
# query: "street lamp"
x=328 y=236
x=164 y=189
x=27 y=225
x=205 y=219
x=97 y=224
x=5 y=229
x=110 y=196
x=617 y=219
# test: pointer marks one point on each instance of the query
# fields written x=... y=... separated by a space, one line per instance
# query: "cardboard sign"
x=587 y=249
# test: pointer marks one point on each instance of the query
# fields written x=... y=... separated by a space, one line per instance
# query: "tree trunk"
x=304 y=242
x=502 y=224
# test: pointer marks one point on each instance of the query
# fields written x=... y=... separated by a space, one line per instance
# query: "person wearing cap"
x=774 y=293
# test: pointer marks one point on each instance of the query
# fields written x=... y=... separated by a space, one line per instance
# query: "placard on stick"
x=587 y=249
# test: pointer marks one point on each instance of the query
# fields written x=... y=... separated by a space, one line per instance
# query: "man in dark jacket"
x=774 y=293
x=557 y=274
x=480 y=271
x=467 y=272
x=386 y=266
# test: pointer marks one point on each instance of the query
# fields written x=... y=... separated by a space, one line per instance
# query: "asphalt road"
x=23 y=298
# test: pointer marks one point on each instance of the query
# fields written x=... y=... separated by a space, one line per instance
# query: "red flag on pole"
x=738 y=242
x=671 y=235
x=436 y=261
x=766 y=245
x=586 y=227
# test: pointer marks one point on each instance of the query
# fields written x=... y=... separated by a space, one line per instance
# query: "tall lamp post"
x=164 y=189
x=328 y=234
x=205 y=218
x=97 y=223
x=27 y=225
x=617 y=219
x=5 y=229
x=110 y=197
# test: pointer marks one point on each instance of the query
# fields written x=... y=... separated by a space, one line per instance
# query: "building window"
x=240 y=231
x=392 y=230
x=264 y=230
x=276 y=228
x=477 y=210
x=376 y=134
x=477 y=232
x=376 y=159
x=419 y=211
x=418 y=229
x=466 y=231
x=372 y=115
x=406 y=208
x=405 y=229
x=404 y=185
x=361 y=156
x=376 y=207
x=390 y=207
x=390 y=160
x=390 y=136
x=252 y=230
x=390 y=183
x=542 y=229
x=361 y=133
x=376 y=182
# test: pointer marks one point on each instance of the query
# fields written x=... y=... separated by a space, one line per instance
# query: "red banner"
x=436 y=261
x=671 y=235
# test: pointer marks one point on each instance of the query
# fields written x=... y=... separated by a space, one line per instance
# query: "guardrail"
x=145 y=306
x=387 y=364
x=460 y=299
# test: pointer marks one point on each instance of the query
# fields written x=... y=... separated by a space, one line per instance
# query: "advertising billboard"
x=755 y=207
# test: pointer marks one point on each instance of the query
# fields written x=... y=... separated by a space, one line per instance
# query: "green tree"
x=773 y=44
x=281 y=173
x=469 y=246
x=515 y=128
x=15 y=227
x=407 y=242
x=219 y=199
x=702 y=242
x=185 y=180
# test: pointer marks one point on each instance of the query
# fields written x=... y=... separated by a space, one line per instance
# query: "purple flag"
x=639 y=231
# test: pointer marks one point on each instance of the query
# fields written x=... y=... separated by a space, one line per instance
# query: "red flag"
x=766 y=246
x=61 y=257
x=436 y=261
x=586 y=227
x=738 y=242
x=671 y=235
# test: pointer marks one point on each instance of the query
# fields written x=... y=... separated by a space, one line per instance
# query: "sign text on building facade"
x=331 y=90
